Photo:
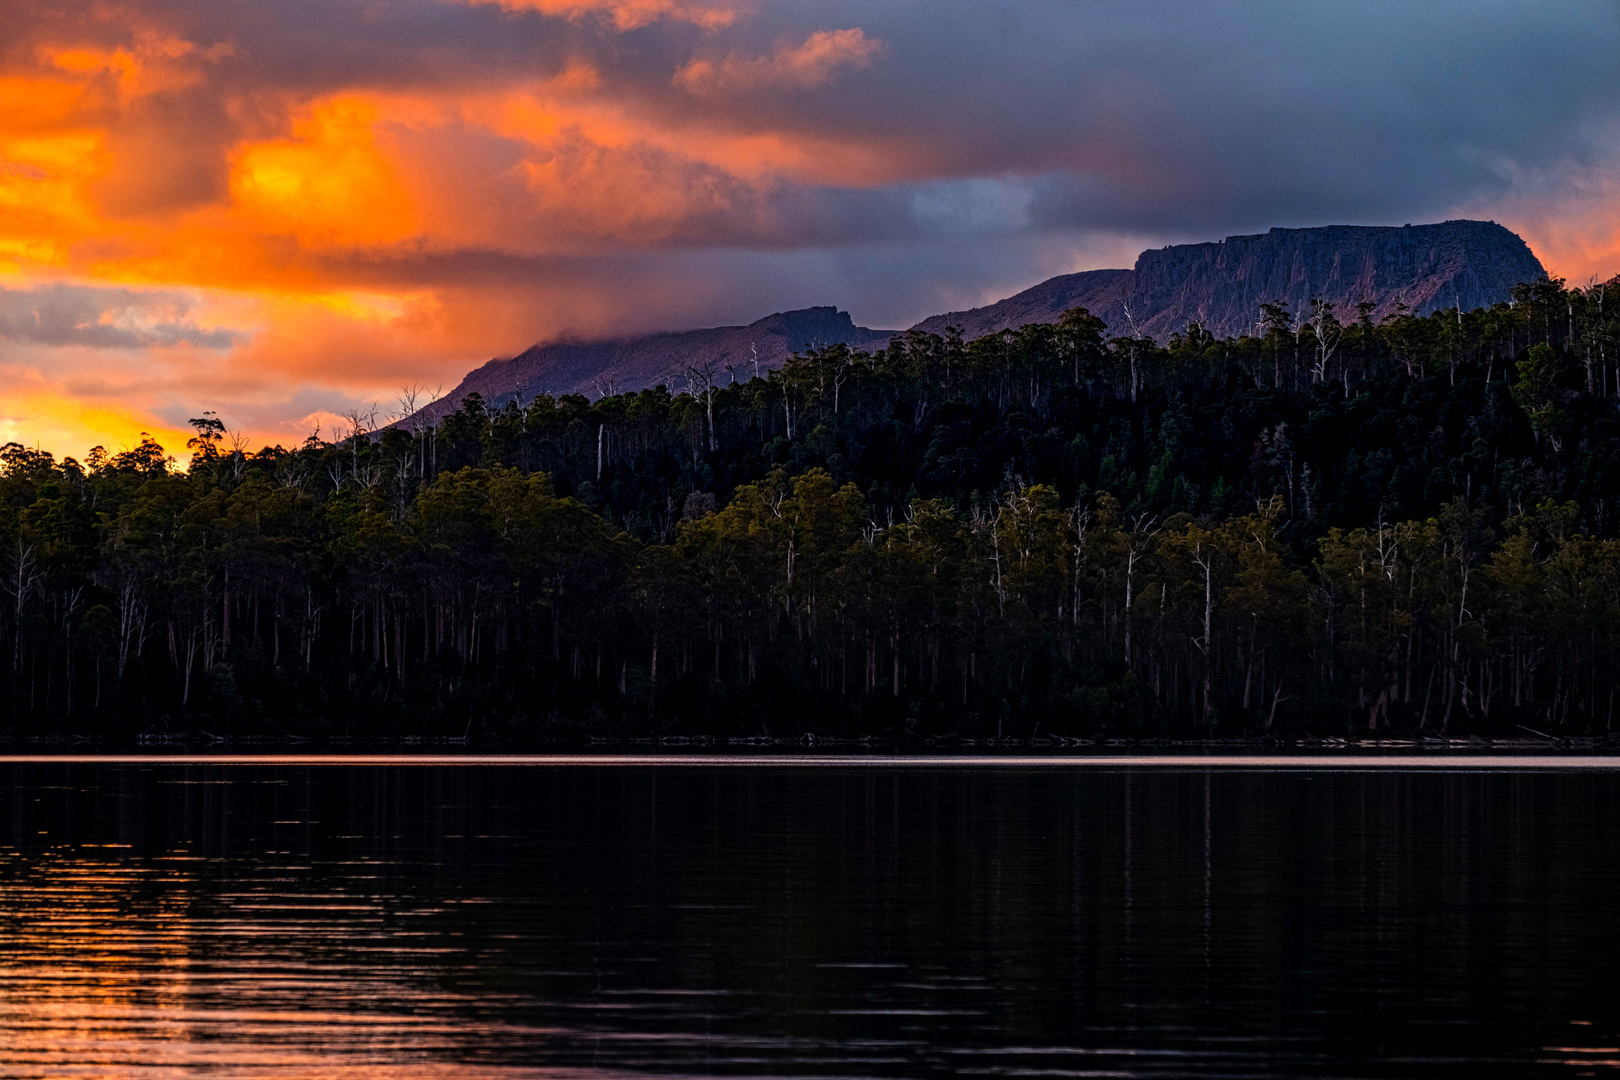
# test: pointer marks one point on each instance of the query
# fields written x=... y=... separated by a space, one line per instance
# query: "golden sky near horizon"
x=283 y=210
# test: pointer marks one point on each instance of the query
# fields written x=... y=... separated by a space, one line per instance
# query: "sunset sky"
x=280 y=210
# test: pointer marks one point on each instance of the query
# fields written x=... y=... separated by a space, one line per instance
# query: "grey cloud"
x=1209 y=116
x=884 y=284
x=103 y=318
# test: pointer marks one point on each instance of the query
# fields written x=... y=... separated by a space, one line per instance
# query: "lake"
x=295 y=918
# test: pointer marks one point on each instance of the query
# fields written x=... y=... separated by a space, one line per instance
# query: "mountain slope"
x=631 y=363
x=1100 y=292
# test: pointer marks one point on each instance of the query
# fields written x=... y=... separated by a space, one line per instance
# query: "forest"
x=1329 y=527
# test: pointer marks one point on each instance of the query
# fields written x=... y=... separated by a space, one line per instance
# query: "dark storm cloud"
x=1178 y=117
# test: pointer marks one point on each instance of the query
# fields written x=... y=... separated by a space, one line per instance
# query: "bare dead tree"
x=700 y=378
x=1137 y=541
x=1082 y=527
x=362 y=422
x=1136 y=332
x=292 y=472
x=841 y=376
x=407 y=398
x=787 y=404
x=1328 y=333
x=423 y=422
x=22 y=582
x=237 y=458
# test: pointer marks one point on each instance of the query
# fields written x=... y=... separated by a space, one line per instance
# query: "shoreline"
x=1290 y=762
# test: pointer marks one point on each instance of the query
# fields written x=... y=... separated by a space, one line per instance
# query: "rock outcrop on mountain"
x=1424 y=267
x=1467 y=263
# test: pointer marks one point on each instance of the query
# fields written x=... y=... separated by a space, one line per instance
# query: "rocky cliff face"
x=1425 y=267
x=1471 y=263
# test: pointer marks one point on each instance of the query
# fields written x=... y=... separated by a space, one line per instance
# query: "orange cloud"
x=1576 y=239
x=311 y=263
x=46 y=167
x=330 y=185
x=806 y=65
x=628 y=14
x=152 y=64
x=1570 y=216
x=32 y=102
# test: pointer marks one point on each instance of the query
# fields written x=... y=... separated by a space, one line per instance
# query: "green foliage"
x=1537 y=372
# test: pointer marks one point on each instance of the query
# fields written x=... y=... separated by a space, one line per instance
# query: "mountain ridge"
x=1418 y=268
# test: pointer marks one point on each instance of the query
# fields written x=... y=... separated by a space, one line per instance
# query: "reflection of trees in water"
x=682 y=918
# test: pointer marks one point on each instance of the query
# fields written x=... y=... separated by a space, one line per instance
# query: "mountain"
x=1466 y=263
x=1097 y=291
x=631 y=363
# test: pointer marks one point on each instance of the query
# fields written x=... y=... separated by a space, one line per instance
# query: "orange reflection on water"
x=111 y=969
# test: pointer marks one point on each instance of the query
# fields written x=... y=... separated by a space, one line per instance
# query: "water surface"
x=292 y=918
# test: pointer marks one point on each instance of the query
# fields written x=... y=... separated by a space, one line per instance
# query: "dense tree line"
x=1328 y=525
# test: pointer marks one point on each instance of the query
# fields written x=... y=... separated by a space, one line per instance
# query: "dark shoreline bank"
x=1486 y=762
x=203 y=745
